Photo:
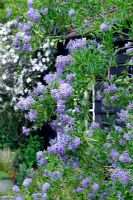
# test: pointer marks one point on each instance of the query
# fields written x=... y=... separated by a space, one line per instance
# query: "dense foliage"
x=53 y=54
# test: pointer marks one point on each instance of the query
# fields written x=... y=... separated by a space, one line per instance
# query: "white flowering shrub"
x=20 y=72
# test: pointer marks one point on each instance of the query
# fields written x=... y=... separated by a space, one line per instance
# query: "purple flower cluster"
x=44 y=11
x=32 y=115
x=26 y=131
x=65 y=90
x=9 y=12
x=114 y=155
x=94 y=125
x=49 y=78
x=62 y=62
x=24 y=104
x=125 y=158
x=123 y=115
x=122 y=175
x=71 y=12
x=98 y=96
x=95 y=187
x=40 y=88
x=104 y=27
x=33 y=14
x=30 y=3
x=16 y=189
x=91 y=196
x=76 y=44
x=86 y=182
x=41 y=158
x=46 y=186
x=27 y=182
x=110 y=88
x=130 y=50
x=118 y=128
x=128 y=44
x=74 y=144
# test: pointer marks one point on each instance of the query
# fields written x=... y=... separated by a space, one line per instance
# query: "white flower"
x=44 y=60
x=4 y=77
x=47 y=59
x=47 y=53
x=28 y=80
x=3 y=62
x=39 y=55
x=52 y=43
x=46 y=45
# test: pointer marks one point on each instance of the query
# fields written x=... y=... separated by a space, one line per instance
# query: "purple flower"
x=110 y=88
x=123 y=115
x=104 y=27
x=122 y=142
x=20 y=198
x=16 y=44
x=120 y=196
x=132 y=189
x=36 y=196
x=95 y=187
x=70 y=76
x=128 y=137
x=27 y=47
x=91 y=196
x=106 y=85
x=74 y=144
x=114 y=155
x=114 y=98
x=55 y=176
x=9 y=12
x=15 y=189
x=76 y=44
x=44 y=11
x=49 y=78
x=71 y=12
x=30 y=3
x=28 y=26
x=130 y=106
x=44 y=196
x=113 y=177
x=25 y=103
x=41 y=161
x=79 y=189
x=94 y=125
x=60 y=106
x=118 y=128
x=123 y=176
x=40 y=88
x=26 y=131
x=26 y=39
x=128 y=44
x=27 y=182
x=86 y=182
x=128 y=51
x=98 y=96
x=46 y=186
x=40 y=154
x=61 y=63
x=32 y=114
x=125 y=158
x=75 y=163
x=65 y=90
x=33 y=14
x=57 y=148
x=67 y=119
